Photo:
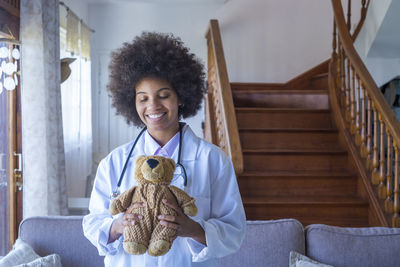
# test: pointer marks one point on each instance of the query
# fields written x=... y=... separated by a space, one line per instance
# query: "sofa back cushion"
x=52 y=234
x=268 y=243
x=341 y=247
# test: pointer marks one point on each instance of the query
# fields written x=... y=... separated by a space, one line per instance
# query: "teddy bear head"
x=154 y=169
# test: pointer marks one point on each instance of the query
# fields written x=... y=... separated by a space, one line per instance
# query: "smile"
x=156 y=116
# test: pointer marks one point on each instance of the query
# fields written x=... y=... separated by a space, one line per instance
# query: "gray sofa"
x=267 y=243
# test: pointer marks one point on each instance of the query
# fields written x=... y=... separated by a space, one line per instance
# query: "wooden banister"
x=356 y=92
x=221 y=126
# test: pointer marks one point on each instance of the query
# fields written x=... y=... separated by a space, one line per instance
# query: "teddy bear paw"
x=134 y=248
x=159 y=247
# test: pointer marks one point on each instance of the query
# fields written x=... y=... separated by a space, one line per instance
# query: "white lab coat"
x=211 y=181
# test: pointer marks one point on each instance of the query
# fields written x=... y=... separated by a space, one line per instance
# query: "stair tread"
x=307 y=130
x=280 y=91
x=322 y=150
x=298 y=173
x=321 y=75
x=289 y=110
x=301 y=200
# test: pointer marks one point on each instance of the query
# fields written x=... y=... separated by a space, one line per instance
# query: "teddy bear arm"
x=184 y=201
x=122 y=202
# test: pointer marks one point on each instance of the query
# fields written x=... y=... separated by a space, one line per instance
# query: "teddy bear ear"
x=172 y=163
x=140 y=160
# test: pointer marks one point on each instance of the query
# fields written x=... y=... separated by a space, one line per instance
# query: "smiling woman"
x=155 y=81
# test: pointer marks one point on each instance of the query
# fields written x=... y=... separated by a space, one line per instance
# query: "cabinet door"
x=10 y=144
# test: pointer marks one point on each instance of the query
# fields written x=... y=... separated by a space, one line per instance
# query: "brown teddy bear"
x=154 y=175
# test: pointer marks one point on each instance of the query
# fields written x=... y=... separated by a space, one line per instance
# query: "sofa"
x=267 y=243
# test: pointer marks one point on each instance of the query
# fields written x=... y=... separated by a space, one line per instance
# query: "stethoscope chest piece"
x=114 y=194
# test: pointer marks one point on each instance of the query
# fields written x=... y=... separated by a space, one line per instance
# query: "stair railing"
x=220 y=126
x=364 y=116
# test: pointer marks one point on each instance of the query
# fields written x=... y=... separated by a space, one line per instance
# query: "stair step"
x=296 y=184
x=341 y=211
x=283 y=118
x=289 y=138
x=275 y=160
x=274 y=98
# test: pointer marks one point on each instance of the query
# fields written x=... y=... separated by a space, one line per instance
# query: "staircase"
x=294 y=163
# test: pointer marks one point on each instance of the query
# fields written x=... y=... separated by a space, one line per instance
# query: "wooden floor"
x=294 y=165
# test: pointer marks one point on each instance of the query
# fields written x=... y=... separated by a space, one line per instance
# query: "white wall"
x=274 y=41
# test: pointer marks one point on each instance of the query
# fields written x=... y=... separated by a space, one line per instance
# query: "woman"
x=154 y=81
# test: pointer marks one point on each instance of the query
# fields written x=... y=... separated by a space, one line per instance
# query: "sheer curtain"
x=76 y=103
x=42 y=135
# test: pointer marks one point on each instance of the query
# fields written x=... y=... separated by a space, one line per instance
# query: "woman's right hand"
x=118 y=225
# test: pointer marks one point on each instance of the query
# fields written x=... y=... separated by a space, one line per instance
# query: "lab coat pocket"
x=203 y=206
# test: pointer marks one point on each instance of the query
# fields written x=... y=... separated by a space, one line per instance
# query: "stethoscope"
x=115 y=193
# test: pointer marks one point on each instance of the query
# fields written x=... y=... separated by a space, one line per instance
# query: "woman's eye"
x=164 y=96
x=142 y=99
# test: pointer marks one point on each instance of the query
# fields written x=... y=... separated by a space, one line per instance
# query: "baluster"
x=363 y=9
x=353 y=102
x=381 y=186
x=349 y=15
x=375 y=174
x=357 y=119
x=396 y=218
x=334 y=40
x=388 y=200
x=369 y=133
x=348 y=114
x=343 y=76
x=363 y=119
x=339 y=72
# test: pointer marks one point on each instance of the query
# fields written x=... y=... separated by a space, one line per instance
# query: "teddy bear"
x=154 y=175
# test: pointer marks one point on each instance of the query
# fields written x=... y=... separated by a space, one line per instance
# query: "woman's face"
x=157 y=105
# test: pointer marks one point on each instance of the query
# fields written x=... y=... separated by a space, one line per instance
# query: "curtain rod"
x=8 y=40
x=70 y=10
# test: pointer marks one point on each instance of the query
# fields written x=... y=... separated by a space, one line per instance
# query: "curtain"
x=76 y=111
x=42 y=136
x=85 y=41
x=72 y=33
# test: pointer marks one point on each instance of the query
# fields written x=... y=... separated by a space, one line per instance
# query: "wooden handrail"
x=221 y=126
x=356 y=93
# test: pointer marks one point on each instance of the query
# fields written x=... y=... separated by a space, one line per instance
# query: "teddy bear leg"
x=161 y=240
x=136 y=238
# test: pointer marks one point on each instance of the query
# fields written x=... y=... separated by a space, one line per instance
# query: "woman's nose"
x=154 y=102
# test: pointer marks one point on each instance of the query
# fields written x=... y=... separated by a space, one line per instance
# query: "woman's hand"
x=183 y=225
x=118 y=225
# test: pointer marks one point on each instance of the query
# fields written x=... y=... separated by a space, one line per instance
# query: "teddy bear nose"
x=152 y=163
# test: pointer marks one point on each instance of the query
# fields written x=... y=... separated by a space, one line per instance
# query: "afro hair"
x=160 y=56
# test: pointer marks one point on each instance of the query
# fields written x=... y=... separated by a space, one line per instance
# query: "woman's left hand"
x=183 y=225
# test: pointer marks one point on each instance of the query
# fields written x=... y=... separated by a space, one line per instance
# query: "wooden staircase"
x=294 y=163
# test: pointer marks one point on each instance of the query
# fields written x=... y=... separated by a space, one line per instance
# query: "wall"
x=378 y=43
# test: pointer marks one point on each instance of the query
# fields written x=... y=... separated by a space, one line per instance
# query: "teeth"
x=155 y=116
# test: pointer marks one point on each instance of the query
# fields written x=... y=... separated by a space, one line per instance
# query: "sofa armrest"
x=62 y=235
x=340 y=246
